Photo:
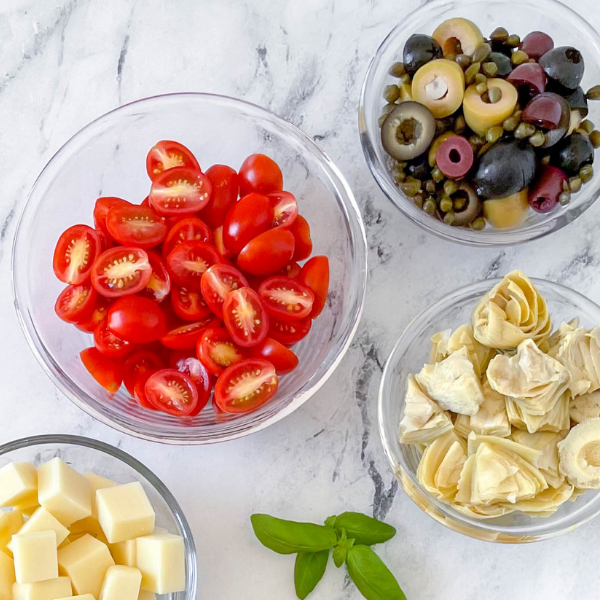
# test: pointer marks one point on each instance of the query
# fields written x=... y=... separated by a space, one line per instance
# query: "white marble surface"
x=65 y=62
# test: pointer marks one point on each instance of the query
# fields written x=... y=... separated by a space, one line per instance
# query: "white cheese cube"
x=10 y=523
x=125 y=512
x=145 y=595
x=35 y=556
x=85 y=561
x=64 y=492
x=121 y=583
x=43 y=590
x=42 y=520
x=7 y=576
x=124 y=553
x=87 y=525
x=18 y=485
x=161 y=559
x=97 y=483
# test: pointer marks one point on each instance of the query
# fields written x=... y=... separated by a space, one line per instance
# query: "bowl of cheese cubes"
x=82 y=520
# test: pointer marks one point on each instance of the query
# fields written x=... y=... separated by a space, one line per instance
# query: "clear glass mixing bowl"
x=107 y=158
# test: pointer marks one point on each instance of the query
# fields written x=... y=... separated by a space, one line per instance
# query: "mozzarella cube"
x=161 y=559
x=64 y=492
x=7 y=576
x=10 y=523
x=42 y=520
x=35 y=556
x=124 y=553
x=87 y=525
x=121 y=583
x=18 y=485
x=125 y=512
x=85 y=561
x=43 y=590
x=145 y=595
x=97 y=483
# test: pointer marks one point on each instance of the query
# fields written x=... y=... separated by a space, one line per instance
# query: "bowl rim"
x=478 y=529
x=73 y=392
x=461 y=235
x=136 y=465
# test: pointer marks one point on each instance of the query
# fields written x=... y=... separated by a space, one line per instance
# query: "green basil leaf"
x=309 y=570
x=340 y=552
x=330 y=521
x=365 y=530
x=370 y=575
x=289 y=537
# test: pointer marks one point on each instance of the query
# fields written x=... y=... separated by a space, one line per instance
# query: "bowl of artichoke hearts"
x=489 y=409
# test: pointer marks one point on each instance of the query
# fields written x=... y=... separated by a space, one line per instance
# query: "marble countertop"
x=64 y=63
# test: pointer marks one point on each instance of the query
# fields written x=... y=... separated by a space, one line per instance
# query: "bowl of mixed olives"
x=477 y=119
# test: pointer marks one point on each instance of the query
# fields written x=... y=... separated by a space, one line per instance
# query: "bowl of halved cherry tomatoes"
x=189 y=268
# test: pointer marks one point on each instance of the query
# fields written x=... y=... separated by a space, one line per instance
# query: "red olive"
x=543 y=194
x=529 y=79
x=550 y=112
x=536 y=44
x=454 y=157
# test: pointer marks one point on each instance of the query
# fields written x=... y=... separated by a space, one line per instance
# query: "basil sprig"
x=350 y=535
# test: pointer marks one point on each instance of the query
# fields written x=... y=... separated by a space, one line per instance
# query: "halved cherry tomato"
x=146 y=202
x=315 y=275
x=289 y=332
x=246 y=385
x=196 y=371
x=172 y=392
x=246 y=219
x=219 y=244
x=282 y=358
x=261 y=174
x=166 y=155
x=121 y=271
x=75 y=253
x=159 y=284
x=189 y=260
x=189 y=305
x=245 y=317
x=139 y=390
x=303 y=244
x=286 y=298
x=140 y=362
x=76 y=303
x=217 y=282
x=225 y=187
x=179 y=191
x=186 y=230
x=285 y=208
x=108 y=372
x=98 y=314
x=101 y=208
x=267 y=253
x=106 y=241
x=292 y=270
x=217 y=351
x=138 y=226
x=136 y=319
x=109 y=344
x=186 y=336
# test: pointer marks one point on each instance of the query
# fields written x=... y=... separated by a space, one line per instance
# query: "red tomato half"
x=217 y=282
x=195 y=370
x=187 y=230
x=259 y=173
x=179 y=191
x=189 y=260
x=159 y=284
x=303 y=244
x=167 y=155
x=138 y=363
x=246 y=385
x=289 y=332
x=285 y=208
x=76 y=303
x=292 y=270
x=217 y=351
x=315 y=275
x=121 y=271
x=108 y=372
x=139 y=390
x=267 y=253
x=186 y=336
x=172 y=392
x=138 y=226
x=136 y=319
x=225 y=187
x=246 y=219
x=286 y=298
x=98 y=314
x=245 y=317
x=189 y=305
x=101 y=208
x=109 y=344
x=223 y=252
x=75 y=253
x=282 y=358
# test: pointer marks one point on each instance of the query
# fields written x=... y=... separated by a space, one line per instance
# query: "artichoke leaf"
x=586 y=406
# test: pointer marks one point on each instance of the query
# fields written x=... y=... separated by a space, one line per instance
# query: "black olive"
x=572 y=153
x=419 y=50
x=505 y=169
x=501 y=47
x=564 y=66
x=502 y=62
x=419 y=167
x=578 y=101
x=408 y=130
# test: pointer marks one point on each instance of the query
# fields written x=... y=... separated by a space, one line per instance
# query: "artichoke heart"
x=586 y=406
x=579 y=455
x=545 y=503
x=511 y=312
x=479 y=354
x=534 y=380
x=555 y=420
x=452 y=383
x=439 y=346
x=423 y=420
x=547 y=443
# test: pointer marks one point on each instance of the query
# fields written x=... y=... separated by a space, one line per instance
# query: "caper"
x=524 y=130
x=405 y=78
x=429 y=186
x=410 y=188
x=575 y=184
x=513 y=40
x=494 y=95
x=537 y=139
x=430 y=206
x=482 y=51
x=398 y=174
x=450 y=187
x=480 y=88
x=397 y=69
x=593 y=93
x=581 y=131
x=490 y=69
x=499 y=34
x=480 y=78
x=595 y=138
x=451 y=56
x=419 y=199
x=478 y=224
x=436 y=174
x=463 y=60
x=476 y=141
x=493 y=134
x=511 y=123
x=460 y=125
x=459 y=203
x=446 y=204
x=449 y=218
x=471 y=72
x=545 y=160
x=519 y=57
x=586 y=173
x=588 y=126
x=391 y=93
x=441 y=126
x=564 y=198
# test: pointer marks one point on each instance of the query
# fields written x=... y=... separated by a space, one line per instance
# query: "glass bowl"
x=409 y=355
x=84 y=455
x=566 y=28
x=107 y=158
